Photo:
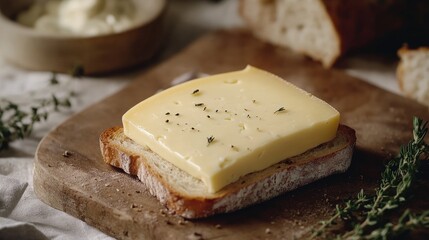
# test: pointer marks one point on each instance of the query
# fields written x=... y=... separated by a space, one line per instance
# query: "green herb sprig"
x=17 y=120
x=368 y=214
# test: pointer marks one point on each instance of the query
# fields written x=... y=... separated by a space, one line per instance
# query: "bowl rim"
x=4 y=20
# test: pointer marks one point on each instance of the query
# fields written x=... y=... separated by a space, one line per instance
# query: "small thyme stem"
x=17 y=120
x=368 y=214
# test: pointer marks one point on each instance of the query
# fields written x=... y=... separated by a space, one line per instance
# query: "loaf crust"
x=185 y=195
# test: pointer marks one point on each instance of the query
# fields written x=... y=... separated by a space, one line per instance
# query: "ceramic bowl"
x=34 y=50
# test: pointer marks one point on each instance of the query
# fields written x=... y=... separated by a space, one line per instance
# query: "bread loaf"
x=324 y=29
x=413 y=73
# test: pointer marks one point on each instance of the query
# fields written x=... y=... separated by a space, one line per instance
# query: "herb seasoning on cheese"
x=79 y=17
x=251 y=120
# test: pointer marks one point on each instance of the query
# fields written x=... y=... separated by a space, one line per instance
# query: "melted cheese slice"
x=225 y=126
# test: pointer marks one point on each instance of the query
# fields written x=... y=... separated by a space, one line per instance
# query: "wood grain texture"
x=84 y=186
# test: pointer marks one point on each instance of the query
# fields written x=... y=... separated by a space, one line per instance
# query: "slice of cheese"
x=222 y=127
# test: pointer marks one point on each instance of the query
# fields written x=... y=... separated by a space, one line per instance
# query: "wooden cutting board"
x=83 y=186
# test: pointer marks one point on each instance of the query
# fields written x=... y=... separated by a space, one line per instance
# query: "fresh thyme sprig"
x=17 y=120
x=368 y=214
x=407 y=222
x=18 y=123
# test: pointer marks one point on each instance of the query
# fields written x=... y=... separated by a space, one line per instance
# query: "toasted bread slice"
x=188 y=197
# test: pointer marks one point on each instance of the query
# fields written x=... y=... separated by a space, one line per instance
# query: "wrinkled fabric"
x=10 y=229
x=24 y=216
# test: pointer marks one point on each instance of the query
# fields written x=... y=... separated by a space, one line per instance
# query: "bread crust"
x=250 y=189
x=361 y=22
x=400 y=68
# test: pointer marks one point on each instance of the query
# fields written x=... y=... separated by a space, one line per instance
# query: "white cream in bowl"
x=79 y=17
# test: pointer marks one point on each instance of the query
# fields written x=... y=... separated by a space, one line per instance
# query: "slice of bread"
x=188 y=197
x=323 y=29
x=413 y=73
x=303 y=26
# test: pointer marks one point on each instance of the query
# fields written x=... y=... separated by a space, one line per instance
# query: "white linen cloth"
x=24 y=216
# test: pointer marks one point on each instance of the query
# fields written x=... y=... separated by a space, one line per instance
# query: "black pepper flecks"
x=282 y=109
x=210 y=140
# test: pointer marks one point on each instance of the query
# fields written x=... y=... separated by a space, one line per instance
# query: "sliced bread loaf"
x=323 y=29
x=188 y=197
x=413 y=73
